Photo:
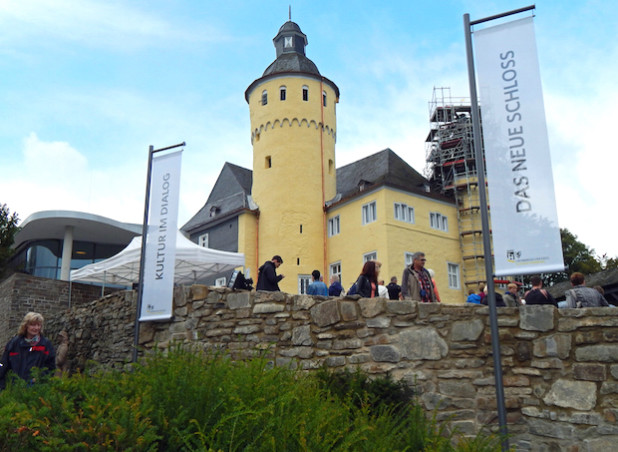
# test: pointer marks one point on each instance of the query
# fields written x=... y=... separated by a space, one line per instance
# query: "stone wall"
x=560 y=367
x=21 y=293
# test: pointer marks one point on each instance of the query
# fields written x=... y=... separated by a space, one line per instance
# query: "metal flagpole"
x=480 y=168
x=140 y=286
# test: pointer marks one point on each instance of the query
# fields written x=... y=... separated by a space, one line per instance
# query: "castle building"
x=296 y=203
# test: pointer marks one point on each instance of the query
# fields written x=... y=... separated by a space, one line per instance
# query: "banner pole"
x=140 y=292
x=491 y=294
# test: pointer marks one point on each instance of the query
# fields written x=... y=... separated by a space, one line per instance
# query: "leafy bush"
x=188 y=401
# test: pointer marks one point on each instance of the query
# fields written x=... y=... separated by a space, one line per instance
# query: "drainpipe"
x=324 y=238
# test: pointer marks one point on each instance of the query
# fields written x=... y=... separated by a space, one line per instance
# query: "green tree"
x=578 y=257
x=8 y=229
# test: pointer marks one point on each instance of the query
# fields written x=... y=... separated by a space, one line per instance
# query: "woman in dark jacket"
x=27 y=350
x=367 y=282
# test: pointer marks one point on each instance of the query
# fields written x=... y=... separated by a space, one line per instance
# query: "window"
x=333 y=226
x=335 y=270
x=453 y=275
x=264 y=97
x=268 y=163
x=324 y=98
x=282 y=93
x=407 y=257
x=202 y=240
x=369 y=213
x=305 y=93
x=220 y=282
x=288 y=41
x=373 y=256
x=438 y=221
x=403 y=212
x=303 y=283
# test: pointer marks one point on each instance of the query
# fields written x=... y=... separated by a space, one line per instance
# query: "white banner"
x=526 y=234
x=158 y=284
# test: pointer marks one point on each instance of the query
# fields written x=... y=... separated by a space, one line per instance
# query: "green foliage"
x=188 y=401
x=8 y=229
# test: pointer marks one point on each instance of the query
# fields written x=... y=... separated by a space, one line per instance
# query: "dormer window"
x=288 y=42
x=214 y=210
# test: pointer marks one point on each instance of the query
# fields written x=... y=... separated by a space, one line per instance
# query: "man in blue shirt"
x=317 y=287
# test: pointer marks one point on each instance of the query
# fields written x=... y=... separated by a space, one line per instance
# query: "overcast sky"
x=88 y=85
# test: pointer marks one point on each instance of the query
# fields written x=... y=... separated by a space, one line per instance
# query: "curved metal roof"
x=51 y=224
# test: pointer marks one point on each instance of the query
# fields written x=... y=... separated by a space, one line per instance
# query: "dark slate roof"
x=291 y=62
x=229 y=194
x=382 y=168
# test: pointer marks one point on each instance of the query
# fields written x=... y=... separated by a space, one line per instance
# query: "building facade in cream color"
x=296 y=203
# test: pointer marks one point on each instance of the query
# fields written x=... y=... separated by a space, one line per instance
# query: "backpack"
x=353 y=290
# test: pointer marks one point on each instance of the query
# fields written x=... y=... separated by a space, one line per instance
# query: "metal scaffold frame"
x=451 y=169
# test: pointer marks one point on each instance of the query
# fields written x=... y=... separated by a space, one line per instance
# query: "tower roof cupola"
x=290 y=39
x=290 y=44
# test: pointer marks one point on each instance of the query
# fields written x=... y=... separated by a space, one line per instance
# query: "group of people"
x=579 y=296
x=417 y=282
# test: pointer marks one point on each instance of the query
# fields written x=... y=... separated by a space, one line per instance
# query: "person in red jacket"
x=27 y=350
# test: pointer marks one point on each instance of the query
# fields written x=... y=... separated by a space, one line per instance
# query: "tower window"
x=305 y=93
x=268 y=162
x=264 y=97
x=324 y=98
x=288 y=42
x=282 y=93
x=331 y=166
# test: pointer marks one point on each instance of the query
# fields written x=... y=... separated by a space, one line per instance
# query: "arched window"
x=305 y=93
x=264 y=97
x=282 y=93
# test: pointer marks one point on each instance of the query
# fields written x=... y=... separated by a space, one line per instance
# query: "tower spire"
x=290 y=12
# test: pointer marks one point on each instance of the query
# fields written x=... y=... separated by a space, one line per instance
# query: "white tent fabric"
x=193 y=263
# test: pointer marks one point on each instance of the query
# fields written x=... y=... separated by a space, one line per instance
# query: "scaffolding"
x=451 y=170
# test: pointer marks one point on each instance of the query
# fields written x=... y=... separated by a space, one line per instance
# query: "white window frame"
x=202 y=240
x=305 y=93
x=334 y=226
x=369 y=213
x=438 y=221
x=371 y=256
x=407 y=258
x=403 y=212
x=220 y=282
x=335 y=269
x=303 y=283
x=454 y=281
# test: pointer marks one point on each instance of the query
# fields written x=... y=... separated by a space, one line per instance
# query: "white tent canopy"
x=193 y=263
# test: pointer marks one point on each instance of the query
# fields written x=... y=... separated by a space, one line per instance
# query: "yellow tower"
x=293 y=133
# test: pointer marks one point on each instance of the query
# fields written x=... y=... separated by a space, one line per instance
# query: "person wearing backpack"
x=366 y=284
x=538 y=295
x=581 y=296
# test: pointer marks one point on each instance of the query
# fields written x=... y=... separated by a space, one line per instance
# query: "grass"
x=184 y=400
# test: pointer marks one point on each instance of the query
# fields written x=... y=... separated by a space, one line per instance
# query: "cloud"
x=95 y=23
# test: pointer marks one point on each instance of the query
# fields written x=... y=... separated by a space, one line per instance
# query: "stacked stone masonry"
x=560 y=367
